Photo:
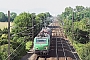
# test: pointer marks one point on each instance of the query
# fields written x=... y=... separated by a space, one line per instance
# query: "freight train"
x=42 y=42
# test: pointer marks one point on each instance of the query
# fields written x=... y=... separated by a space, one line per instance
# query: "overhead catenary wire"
x=23 y=40
x=25 y=30
x=21 y=31
x=16 y=53
x=21 y=43
x=15 y=49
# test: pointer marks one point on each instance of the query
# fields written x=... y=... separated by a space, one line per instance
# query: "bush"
x=28 y=45
x=4 y=36
x=3 y=51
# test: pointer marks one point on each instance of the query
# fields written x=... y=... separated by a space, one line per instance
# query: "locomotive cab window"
x=44 y=41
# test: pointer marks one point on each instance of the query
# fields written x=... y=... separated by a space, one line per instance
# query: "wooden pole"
x=32 y=29
x=8 y=35
x=72 y=26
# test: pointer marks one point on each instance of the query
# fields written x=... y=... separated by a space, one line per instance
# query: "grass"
x=5 y=25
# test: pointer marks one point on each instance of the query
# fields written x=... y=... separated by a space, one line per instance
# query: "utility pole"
x=72 y=26
x=44 y=22
x=89 y=27
x=39 y=26
x=32 y=29
x=9 y=35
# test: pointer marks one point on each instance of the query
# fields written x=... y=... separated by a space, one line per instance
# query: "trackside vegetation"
x=21 y=33
x=76 y=25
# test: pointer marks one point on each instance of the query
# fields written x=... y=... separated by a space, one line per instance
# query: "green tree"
x=22 y=29
x=12 y=15
x=79 y=8
x=3 y=18
x=28 y=45
x=79 y=29
x=1 y=33
x=3 y=51
x=5 y=31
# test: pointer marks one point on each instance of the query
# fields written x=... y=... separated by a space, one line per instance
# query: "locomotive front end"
x=41 y=45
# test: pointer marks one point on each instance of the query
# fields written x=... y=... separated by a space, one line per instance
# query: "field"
x=4 y=24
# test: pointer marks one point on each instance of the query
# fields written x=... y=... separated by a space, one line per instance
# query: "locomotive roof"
x=41 y=37
x=43 y=34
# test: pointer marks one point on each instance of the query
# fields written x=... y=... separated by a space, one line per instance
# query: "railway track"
x=64 y=49
x=60 y=48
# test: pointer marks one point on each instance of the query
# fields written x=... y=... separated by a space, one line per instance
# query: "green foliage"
x=23 y=22
x=3 y=51
x=79 y=8
x=4 y=36
x=81 y=36
x=0 y=32
x=12 y=16
x=28 y=45
x=4 y=17
x=5 y=31
x=78 y=13
x=43 y=18
x=77 y=28
x=83 y=50
x=86 y=52
x=76 y=24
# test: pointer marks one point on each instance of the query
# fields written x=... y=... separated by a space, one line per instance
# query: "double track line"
x=60 y=49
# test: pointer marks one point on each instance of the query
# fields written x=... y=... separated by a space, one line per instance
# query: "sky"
x=55 y=7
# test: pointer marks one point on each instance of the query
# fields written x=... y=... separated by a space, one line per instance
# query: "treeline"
x=80 y=19
x=21 y=34
x=76 y=24
x=4 y=17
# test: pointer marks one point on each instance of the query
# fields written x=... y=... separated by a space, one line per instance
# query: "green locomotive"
x=42 y=42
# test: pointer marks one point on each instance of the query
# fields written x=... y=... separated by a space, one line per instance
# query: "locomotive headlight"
x=36 y=48
x=46 y=47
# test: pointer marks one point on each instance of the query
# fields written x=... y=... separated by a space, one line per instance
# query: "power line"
x=15 y=49
x=20 y=44
x=18 y=52
x=9 y=54
x=22 y=31
x=25 y=30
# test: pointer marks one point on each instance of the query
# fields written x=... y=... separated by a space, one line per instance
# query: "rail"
x=56 y=49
